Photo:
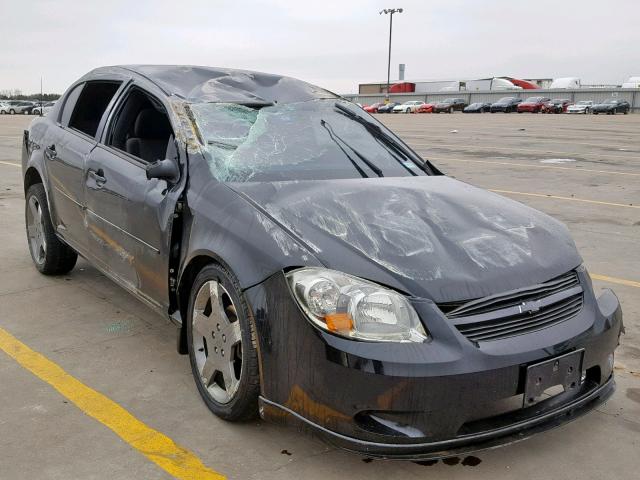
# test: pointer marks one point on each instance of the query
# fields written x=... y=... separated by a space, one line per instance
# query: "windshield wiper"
x=353 y=162
x=335 y=138
x=389 y=141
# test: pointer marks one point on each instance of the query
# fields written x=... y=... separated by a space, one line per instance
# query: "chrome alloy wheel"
x=217 y=341
x=35 y=231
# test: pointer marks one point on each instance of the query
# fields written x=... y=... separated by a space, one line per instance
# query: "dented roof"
x=224 y=85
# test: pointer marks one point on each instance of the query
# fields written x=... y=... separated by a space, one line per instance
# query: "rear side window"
x=69 y=103
x=90 y=106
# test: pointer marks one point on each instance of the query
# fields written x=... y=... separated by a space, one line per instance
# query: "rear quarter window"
x=69 y=103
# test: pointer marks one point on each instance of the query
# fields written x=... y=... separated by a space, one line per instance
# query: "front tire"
x=222 y=345
x=49 y=254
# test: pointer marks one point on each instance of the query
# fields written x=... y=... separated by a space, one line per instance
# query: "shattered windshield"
x=309 y=140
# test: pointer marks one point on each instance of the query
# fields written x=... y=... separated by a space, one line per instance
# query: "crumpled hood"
x=433 y=237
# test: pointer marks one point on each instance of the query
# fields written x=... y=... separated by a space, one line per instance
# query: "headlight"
x=355 y=308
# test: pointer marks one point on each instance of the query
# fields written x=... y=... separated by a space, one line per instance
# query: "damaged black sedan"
x=319 y=271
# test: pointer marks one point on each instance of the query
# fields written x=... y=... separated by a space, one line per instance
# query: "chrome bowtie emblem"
x=529 y=307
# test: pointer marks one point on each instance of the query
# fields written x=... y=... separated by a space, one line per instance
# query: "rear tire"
x=12 y=112
x=228 y=382
x=49 y=254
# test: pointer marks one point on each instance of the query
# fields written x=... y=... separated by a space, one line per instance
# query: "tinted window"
x=91 y=104
x=69 y=103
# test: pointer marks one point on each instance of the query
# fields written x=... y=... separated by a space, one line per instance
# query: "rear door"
x=129 y=217
x=66 y=151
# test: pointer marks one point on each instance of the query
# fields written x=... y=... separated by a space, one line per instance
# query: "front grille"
x=519 y=311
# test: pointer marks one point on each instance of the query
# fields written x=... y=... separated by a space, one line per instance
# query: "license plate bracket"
x=565 y=370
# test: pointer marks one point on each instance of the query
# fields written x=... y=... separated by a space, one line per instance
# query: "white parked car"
x=408 y=107
x=583 y=106
x=4 y=108
x=43 y=109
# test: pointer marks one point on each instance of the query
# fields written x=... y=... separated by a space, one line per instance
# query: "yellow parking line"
x=620 y=281
x=558 y=197
x=526 y=165
x=11 y=163
x=157 y=447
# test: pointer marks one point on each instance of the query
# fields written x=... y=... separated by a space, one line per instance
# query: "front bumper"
x=430 y=400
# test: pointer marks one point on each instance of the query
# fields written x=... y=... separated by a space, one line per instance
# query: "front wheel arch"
x=31 y=177
x=188 y=276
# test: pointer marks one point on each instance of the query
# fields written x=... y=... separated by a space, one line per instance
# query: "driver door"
x=130 y=217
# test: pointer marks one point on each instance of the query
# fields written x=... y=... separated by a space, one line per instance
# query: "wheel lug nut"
x=215 y=349
x=222 y=351
x=218 y=326
x=224 y=338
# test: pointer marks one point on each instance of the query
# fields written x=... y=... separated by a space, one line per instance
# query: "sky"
x=336 y=44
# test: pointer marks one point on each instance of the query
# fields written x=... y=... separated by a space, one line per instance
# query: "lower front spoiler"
x=511 y=433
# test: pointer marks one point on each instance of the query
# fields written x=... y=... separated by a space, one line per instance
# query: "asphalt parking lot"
x=583 y=170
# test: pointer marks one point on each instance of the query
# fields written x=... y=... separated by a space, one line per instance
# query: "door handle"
x=97 y=176
x=50 y=151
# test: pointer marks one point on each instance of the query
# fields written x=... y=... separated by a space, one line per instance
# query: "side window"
x=69 y=103
x=91 y=104
x=141 y=127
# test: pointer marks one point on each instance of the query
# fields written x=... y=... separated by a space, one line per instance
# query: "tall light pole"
x=390 y=12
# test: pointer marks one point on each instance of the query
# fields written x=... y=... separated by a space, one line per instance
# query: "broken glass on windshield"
x=289 y=142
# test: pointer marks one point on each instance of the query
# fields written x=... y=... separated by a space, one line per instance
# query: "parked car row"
x=25 y=107
x=505 y=105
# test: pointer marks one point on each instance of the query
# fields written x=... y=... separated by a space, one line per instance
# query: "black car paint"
x=507 y=106
x=432 y=238
x=480 y=108
x=388 y=108
x=620 y=106
x=427 y=395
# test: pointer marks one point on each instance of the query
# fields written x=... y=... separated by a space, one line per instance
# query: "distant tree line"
x=18 y=95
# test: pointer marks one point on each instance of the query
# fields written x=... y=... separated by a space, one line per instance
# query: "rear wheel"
x=12 y=111
x=50 y=255
x=221 y=341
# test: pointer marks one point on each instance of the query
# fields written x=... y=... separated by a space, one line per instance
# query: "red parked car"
x=532 y=104
x=425 y=108
x=373 y=108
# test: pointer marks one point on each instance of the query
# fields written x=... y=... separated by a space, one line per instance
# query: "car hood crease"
x=432 y=237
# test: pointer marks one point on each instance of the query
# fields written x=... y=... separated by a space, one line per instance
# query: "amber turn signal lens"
x=339 y=322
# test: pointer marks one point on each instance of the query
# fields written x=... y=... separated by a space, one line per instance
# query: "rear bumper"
x=430 y=400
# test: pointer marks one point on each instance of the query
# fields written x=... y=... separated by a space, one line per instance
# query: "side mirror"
x=163 y=170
